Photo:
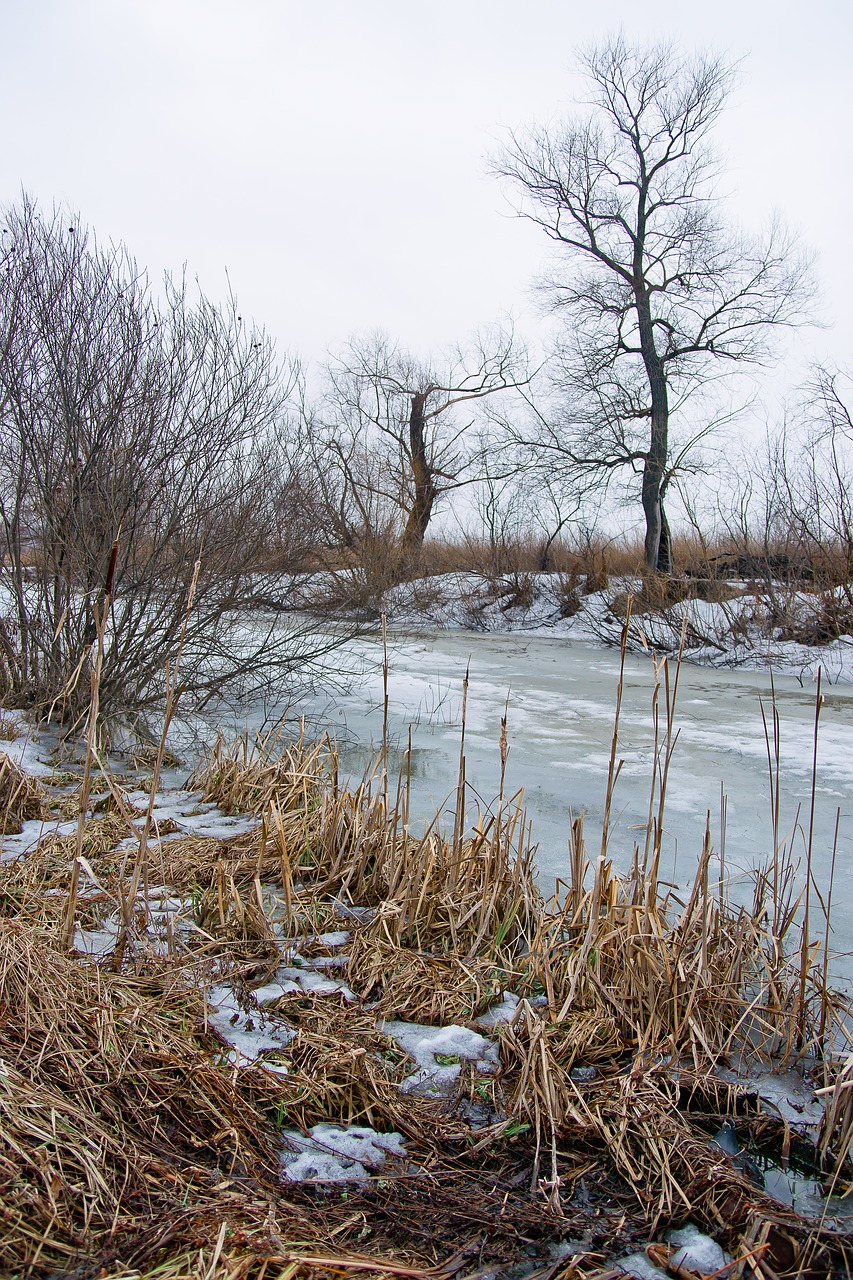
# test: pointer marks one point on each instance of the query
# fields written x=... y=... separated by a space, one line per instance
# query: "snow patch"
x=696 y=1251
x=427 y=1044
x=333 y=1154
x=249 y=1033
x=504 y=1011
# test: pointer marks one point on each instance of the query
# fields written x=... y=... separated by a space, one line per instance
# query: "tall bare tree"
x=658 y=292
x=394 y=434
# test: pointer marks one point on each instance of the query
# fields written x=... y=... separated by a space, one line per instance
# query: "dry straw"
x=131 y=1146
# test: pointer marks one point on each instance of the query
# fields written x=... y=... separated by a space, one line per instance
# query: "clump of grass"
x=413 y=986
x=111 y=1110
x=21 y=797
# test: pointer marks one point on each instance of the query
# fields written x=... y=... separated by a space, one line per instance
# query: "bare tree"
x=394 y=435
x=659 y=293
x=149 y=427
x=523 y=514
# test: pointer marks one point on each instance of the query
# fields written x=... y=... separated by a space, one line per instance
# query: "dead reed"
x=21 y=797
x=131 y=1145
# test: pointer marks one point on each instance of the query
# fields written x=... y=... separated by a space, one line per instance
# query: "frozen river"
x=560 y=722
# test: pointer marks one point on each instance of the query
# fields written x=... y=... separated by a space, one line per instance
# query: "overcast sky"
x=330 y=155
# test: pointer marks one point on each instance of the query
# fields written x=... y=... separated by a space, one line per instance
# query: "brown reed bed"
x=132 y=1146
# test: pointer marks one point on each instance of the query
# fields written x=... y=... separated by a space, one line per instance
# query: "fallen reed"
x=132 y=1144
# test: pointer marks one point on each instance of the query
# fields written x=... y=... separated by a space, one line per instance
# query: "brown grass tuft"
x=21 y=797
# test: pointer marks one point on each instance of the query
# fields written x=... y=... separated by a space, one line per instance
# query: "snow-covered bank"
x=723 y=624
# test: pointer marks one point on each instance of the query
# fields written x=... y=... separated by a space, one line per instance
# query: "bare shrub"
x=568 y=593
x=519 y=591
x=136 y=438
x=596 y=578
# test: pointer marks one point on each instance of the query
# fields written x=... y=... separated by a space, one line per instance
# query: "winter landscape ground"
x=373 y=1049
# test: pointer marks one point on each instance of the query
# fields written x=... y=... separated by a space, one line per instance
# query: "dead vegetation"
x=133 y=1145
x=20 y=796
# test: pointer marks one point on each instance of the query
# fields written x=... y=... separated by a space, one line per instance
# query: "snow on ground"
x=504 y=1011
x=336 y=938
x=29 y=750
x=429 y=1045
x=736 y=632
x=191 y=815
x=169 y=920
x=34 y=756
x=31 y=834
x=330 y=1153
x=97 y=943
x=250 y=1033
x=696 y=1251
x=302 y=977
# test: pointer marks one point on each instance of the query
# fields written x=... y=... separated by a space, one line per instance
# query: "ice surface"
x=333 y=1154
x=423 y=1043
x=696 y=1251
x=784 y=1093
x=560 y=729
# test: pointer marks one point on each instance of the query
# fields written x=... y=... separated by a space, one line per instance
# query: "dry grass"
x=21 y=797
x=129 y=1146
x=111 y=1112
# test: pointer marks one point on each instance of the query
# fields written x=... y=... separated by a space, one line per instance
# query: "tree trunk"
x=657 y=542
x=665 y=547
x=422 y=479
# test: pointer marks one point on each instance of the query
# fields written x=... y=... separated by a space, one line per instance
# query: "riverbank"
x=293 y=1037
x=715 y=623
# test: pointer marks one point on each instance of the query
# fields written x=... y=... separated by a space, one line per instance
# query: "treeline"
x=157 y=458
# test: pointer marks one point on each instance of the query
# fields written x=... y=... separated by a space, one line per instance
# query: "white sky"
x=330 y=154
